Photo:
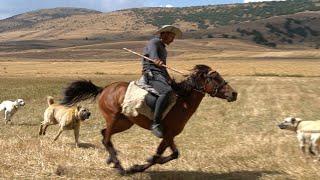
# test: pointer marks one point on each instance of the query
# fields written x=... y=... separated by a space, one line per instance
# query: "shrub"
x=312 y=32
x=225 y=35
x=210 y=36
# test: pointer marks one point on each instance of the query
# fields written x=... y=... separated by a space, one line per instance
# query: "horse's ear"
x=208 y=74
x=213 y=72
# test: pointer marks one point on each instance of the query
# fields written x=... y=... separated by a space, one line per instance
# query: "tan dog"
x=308 y=132
x=67 y=117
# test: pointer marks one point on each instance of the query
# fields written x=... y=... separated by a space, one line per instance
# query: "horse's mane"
x=185 y=87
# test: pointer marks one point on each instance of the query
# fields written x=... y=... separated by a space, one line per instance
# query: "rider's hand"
x=170 y=80
x=158 y=63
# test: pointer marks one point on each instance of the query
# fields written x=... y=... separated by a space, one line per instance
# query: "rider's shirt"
x=155 y=49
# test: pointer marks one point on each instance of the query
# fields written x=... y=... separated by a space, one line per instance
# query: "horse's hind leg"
x=109 y=147
x=115 y=126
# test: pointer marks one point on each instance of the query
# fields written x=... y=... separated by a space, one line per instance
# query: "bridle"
x=210 y=78
x=217 y=88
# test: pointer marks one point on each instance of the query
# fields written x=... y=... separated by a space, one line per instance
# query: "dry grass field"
x=222 y=140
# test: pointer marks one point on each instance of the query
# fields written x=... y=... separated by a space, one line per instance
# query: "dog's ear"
x=298 y=119
x=79 y=107
x=293 y=120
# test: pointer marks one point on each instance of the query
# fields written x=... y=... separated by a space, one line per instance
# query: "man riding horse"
x=157 y=76
x=201 y=80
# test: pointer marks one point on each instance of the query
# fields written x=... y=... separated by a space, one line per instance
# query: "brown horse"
x=190 y=92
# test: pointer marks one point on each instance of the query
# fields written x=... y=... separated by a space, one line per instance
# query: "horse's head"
x=209 y=81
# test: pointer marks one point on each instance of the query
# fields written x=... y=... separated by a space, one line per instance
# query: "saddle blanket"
x=134 y=102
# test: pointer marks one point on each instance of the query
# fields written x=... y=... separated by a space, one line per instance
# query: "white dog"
x=10 y=108
x=308 y=133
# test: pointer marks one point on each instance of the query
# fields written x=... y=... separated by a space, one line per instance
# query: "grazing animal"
x=308 y=133
x=68 y=118
x=10 y=108
x=202 y=80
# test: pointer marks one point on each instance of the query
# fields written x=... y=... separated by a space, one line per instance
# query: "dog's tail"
x=79 y=91
x=50 y=100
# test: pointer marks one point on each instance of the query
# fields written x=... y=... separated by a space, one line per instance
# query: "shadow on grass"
x=87 y=145
x=83 y=145
x=245 y=175
x=26 y=124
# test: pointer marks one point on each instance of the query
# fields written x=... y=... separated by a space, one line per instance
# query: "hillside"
x=206 y=17
x=29 y=19
x=300 y=29
x=266 y=23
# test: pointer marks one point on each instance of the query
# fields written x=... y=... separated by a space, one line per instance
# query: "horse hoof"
x=109 y=160
x=136 y=168
x=122 y=172
x=153 y=159
x=133 y=169
x=150 y=159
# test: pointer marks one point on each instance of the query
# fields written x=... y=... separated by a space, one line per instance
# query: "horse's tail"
x=79 y=91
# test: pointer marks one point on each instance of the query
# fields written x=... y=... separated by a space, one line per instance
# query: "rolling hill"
x=300 y=29
x=30 y=19
x=291 y=22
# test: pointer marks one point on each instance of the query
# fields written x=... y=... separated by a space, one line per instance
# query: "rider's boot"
x=161 y=105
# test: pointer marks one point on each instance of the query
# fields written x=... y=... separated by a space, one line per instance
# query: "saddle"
x=139 y=101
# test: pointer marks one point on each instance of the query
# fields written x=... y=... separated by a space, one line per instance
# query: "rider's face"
x=167 y=37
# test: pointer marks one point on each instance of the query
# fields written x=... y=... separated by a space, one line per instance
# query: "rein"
x=216 y=89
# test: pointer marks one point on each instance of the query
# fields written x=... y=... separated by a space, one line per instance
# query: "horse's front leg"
x=162 y=160
x=153 y=160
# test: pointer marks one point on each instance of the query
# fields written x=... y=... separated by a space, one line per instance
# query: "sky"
x=10 y=8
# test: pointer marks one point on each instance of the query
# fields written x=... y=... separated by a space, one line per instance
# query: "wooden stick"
x=173 y=69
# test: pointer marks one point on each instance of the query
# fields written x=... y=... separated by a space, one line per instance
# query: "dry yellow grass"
x=222 y=140
x=230 y=57
x=225 y=67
